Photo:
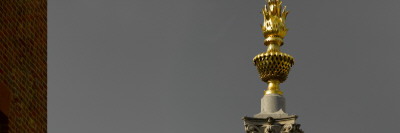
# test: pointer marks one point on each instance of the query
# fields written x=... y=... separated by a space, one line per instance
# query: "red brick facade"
x=23 y=65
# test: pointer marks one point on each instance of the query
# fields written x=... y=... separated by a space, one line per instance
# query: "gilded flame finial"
x=274 y=27
x=273 y=65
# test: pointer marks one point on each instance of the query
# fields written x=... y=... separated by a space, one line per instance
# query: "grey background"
x=185 y=66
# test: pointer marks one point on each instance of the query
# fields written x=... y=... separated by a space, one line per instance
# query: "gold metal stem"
x=274 y=47
x=273 y=87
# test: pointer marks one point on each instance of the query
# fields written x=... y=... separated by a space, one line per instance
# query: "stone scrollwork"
x=272 y=129
x=291 y=128
x=287 y=128
x=268 y=129
x=252 y=129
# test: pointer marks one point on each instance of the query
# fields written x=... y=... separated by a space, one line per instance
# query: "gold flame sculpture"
x=273 y=65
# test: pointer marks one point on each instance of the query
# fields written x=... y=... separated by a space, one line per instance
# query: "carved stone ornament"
x=272 y=129
x=291 y=128
x=252 y=129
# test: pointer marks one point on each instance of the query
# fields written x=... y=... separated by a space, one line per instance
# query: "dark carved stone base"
x=272 y=125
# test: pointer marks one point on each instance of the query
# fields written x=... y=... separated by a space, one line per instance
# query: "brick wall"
x=23 y=63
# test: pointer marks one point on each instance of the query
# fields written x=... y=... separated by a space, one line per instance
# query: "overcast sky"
x=185 y=66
